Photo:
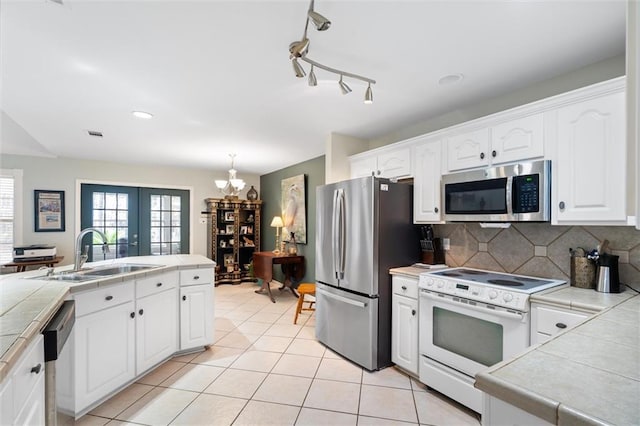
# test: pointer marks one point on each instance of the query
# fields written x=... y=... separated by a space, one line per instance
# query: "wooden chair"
x=303 y=289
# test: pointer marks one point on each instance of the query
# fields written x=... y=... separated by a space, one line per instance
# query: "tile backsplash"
x=538 y=249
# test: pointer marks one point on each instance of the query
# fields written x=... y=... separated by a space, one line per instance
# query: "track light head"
x=297 y=68
x=299 y=48
x=368 y=95
x=312 y=78
x=321 y=23
x=344 y=87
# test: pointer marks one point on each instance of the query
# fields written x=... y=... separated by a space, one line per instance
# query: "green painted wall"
x=270 y=196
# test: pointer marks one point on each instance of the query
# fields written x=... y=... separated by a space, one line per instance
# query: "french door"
x=136 y=221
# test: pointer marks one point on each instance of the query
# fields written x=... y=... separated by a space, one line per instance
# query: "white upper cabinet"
x=514 y=140
x=426 y=184
x=590 y=168
x=386 y=163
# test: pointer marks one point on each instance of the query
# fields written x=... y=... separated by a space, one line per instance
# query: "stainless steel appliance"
x=363 y=228
x=608 y=276
x=469 y=320
x=518 y=192
x=55 y=335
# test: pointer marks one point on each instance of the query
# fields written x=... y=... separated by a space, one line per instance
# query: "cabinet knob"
x=36 y=369
x=184 y=297
x=196 y=277
x=132 y=314
x=108 y=298
x=561 y=325
x=561 y=205
x=413 y=312
x=482 y=155
x=436 y=210
x=404 y=287
x=494 y=153
x=159 y=285
x=378 y=172
x=141 y=311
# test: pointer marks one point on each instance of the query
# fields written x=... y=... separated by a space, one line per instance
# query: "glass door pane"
x=164 y=221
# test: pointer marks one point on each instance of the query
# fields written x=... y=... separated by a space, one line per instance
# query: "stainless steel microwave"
x=519 y=192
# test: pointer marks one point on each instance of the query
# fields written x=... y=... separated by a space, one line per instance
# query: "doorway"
x=136 y=221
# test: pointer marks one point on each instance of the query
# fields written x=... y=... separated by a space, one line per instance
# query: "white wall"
x=338 y=149
x=65 y=173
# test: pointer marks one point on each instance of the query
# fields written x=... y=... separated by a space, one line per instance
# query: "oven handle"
x=498 y=313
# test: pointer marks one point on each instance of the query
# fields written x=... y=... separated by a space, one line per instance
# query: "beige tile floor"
x=264 y=370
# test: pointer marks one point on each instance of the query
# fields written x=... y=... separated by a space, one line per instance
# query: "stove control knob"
x=440 y=284
x=493 y=294
x=429 y=282
x=508 y=297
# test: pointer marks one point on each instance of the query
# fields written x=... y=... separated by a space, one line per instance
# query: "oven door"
x=469 y=336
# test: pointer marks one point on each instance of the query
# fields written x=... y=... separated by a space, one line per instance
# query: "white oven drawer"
x=405 y=286
x=551 y=321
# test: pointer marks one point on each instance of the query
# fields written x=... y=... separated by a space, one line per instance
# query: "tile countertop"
x=414 y=271
x=27 y=304
x=589 y=374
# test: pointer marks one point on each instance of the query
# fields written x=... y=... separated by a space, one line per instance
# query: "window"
x=10 y=212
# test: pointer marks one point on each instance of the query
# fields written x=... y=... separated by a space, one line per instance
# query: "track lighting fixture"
x=344 y=87
x=300 y=49
x=312 y=78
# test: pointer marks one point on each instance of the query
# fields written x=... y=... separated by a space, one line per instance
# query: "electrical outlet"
x=446 y=244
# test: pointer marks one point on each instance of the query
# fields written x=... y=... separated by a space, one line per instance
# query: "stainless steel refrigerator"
x=363 y=228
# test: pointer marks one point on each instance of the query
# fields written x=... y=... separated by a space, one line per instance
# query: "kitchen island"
x=589 y=374
x=30 y=299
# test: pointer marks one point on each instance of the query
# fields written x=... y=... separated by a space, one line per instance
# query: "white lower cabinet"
x=196 y=321
x=22 y=391
x=500 y=413
x=547 y=321
x=404 y=323
x=156 y=329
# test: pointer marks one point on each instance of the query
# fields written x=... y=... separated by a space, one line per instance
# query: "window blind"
x=7 y=217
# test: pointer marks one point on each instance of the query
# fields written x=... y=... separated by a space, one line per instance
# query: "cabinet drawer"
x=104 y=297
x=156 y=283
x=405 y=286
x=196 y=276
x=553 y=321
x=24 y=380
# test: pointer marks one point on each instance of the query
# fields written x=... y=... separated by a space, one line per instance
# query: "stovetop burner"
x=505 y=282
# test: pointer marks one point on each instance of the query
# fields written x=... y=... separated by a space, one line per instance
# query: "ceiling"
x=217 y=76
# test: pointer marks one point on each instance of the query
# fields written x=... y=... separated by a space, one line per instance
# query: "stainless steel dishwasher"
x=55 y=335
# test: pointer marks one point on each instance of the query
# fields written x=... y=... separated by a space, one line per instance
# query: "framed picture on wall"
x=293 y=206
x=48 y=211
x=229 y=229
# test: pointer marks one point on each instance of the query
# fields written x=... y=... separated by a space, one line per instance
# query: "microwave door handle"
x=509 y=195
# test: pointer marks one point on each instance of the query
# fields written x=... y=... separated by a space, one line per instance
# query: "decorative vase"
x=292 y=248
x=252 y=194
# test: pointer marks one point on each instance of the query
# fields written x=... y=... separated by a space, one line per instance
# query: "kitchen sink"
x=124 y=268
x=97 y=272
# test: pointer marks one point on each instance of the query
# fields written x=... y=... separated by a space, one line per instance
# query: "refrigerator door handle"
x=343 y=233
x=335 y=234
x=342 y=298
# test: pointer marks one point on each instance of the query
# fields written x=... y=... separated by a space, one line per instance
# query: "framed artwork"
x=229 y=229
x=228 y=259
x=228 y=216
x=48 y=211
x=243 y=229
x=293 y=205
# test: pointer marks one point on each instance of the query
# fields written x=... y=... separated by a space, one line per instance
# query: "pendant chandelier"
x=298 y=52
x=231 y=188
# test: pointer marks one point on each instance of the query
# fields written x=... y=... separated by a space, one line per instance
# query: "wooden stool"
x=305 y=288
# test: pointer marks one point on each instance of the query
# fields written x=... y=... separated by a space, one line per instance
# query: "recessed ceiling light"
x=450 y=79
x=142 y=114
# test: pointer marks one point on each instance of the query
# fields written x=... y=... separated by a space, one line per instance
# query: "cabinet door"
x=156 y=328
x=105 y=351
x=196 y=316
x=362 y=167
x=426 y=183
x=395 y=164
x=517 y=140
x=404 y=333
x=468 y=150
x=590 y=171
x=33 y=411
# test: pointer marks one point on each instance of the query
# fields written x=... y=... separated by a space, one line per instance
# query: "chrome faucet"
x=80 y=258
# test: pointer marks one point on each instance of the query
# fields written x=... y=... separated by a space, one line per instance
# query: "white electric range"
x=471 y=319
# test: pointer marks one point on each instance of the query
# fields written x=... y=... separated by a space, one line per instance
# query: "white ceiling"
x=217 y=76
